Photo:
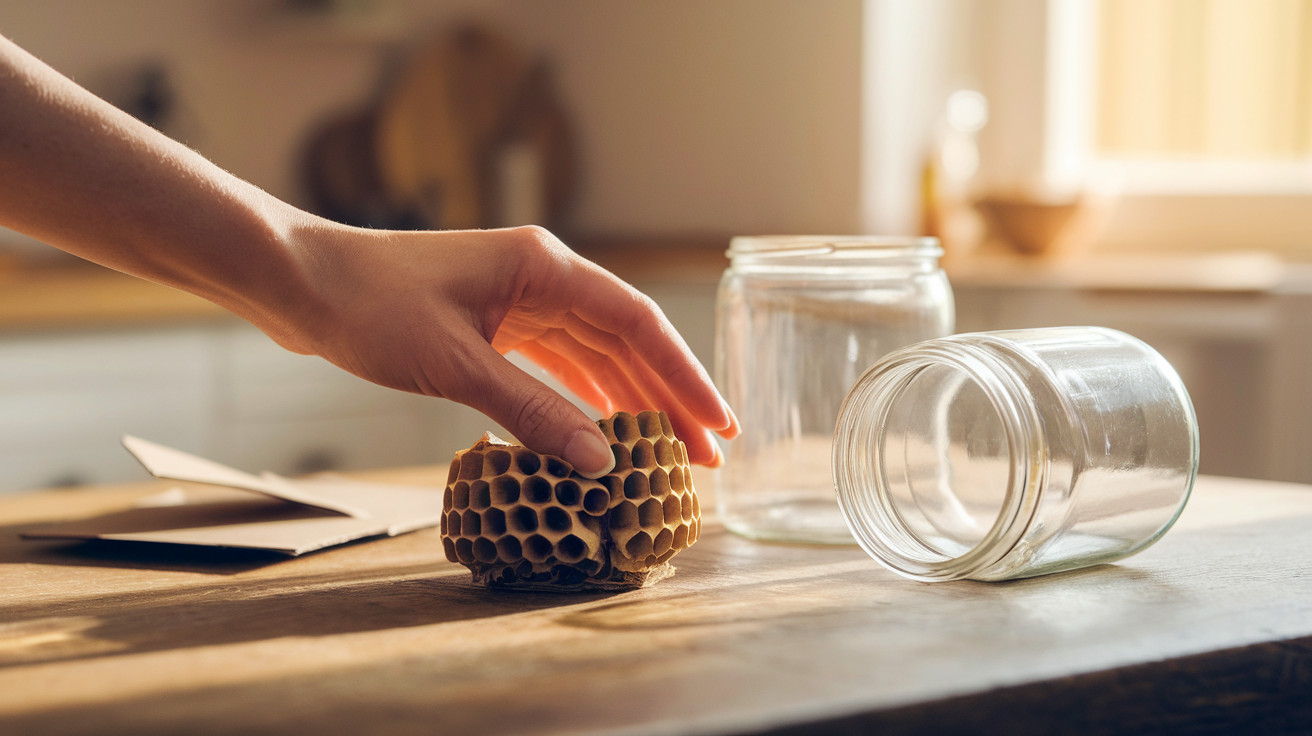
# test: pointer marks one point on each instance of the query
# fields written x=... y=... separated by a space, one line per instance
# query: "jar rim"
x=865 y=501
x=818 y=245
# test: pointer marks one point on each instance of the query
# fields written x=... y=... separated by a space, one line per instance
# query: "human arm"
x=426 y=312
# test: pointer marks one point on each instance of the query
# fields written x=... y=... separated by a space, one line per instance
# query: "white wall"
x=717 y=116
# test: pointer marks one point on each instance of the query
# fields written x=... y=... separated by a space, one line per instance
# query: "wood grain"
x=1213 y=625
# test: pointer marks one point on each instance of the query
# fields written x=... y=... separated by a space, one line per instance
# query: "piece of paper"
x=240 y=510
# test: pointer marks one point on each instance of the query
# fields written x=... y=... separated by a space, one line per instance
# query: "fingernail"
x=732 y=429
x=589 y=454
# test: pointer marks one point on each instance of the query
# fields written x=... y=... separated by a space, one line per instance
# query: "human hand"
x=434 y=312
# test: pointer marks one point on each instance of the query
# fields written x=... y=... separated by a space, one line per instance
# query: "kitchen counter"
x=75 y=294
x=1210 y=629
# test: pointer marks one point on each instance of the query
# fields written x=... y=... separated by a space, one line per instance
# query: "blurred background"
x=1139 y=164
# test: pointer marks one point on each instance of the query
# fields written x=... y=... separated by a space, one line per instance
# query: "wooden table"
x=1209 y=629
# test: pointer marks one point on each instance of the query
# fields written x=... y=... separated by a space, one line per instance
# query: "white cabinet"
x=222 y=390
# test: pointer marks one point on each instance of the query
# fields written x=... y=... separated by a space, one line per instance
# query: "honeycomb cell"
x=504 y=488
x=677 y=481
x=556 y=519
x=480 y=495
x=624 y=517
x=509 y=549
x=644 y=454
x=673 y=510
x=663 y=541
x=465 y=550
x=571 y=549
x=626 y=428
x=537 y=490
x=596 y=501
x=471 y=524
x=527 y=461
x=557 y=467
x=568 y=493
x=471 y=465
x=649 y=423
x=664 y=452
x=638 y=546
x=460 y=495
x=527 y=520
x=496 y=462
x=660 y=482
x=651 y=514
x=637 y=486
x=494 y=522
x=537 y=548
x=522 y=520
x=623 y=458
x=485 y=550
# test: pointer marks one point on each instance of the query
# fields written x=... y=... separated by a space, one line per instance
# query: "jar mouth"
x=847 y=246
x=938 y=461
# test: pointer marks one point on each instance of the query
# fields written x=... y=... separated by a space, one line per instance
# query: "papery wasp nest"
x=516 y=518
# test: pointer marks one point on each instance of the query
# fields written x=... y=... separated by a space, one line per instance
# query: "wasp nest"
x=516 y=518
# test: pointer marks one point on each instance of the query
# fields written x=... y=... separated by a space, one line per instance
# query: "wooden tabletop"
x=1211 y=629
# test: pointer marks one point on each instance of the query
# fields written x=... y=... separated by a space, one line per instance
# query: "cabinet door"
x=67 y=398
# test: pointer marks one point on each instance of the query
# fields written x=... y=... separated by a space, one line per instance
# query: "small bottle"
x=799 y=319
x=1003 y=455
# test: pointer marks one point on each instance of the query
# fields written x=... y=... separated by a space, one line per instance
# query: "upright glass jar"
x=799 y=319
x=1009 y=454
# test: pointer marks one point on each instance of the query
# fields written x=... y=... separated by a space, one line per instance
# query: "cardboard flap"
x=168 y=463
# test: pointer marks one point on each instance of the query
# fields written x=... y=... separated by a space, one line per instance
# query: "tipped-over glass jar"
x=1009 y=454
x=799 y=319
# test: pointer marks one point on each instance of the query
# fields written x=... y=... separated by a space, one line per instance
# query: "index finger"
x=617 y=308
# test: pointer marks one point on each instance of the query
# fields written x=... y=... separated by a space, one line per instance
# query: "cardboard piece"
x=265 y=512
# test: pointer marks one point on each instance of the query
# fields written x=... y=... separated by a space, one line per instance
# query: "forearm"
x=89 y=179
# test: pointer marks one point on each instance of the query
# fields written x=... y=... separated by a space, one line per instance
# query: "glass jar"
x=799 y=319
x=1009 y=454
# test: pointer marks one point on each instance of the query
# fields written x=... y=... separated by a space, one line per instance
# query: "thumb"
x=543 y=420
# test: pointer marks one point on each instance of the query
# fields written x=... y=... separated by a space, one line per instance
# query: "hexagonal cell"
x=557 y=519
x=509 y=548
x=527 y=461
x=460 y=495
x=644 y=454
x=625 y=427
x=571 y=549
x=537 y=490
x=480 y=495
x=568 y=493
x=660 y=483
x=596 y=501
x=663 y=541
x=649 y=423
x=471 y=465
x=496 y=462
x=638 y=546
x=664 y=452
x=651 y=513
x=522 y=520
x=673 y=510
x=537 y=548
x=637 y=486
x=504 y=488
x=494 y=522
x=624 y=517
x=623 y=460
x=471 y=525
